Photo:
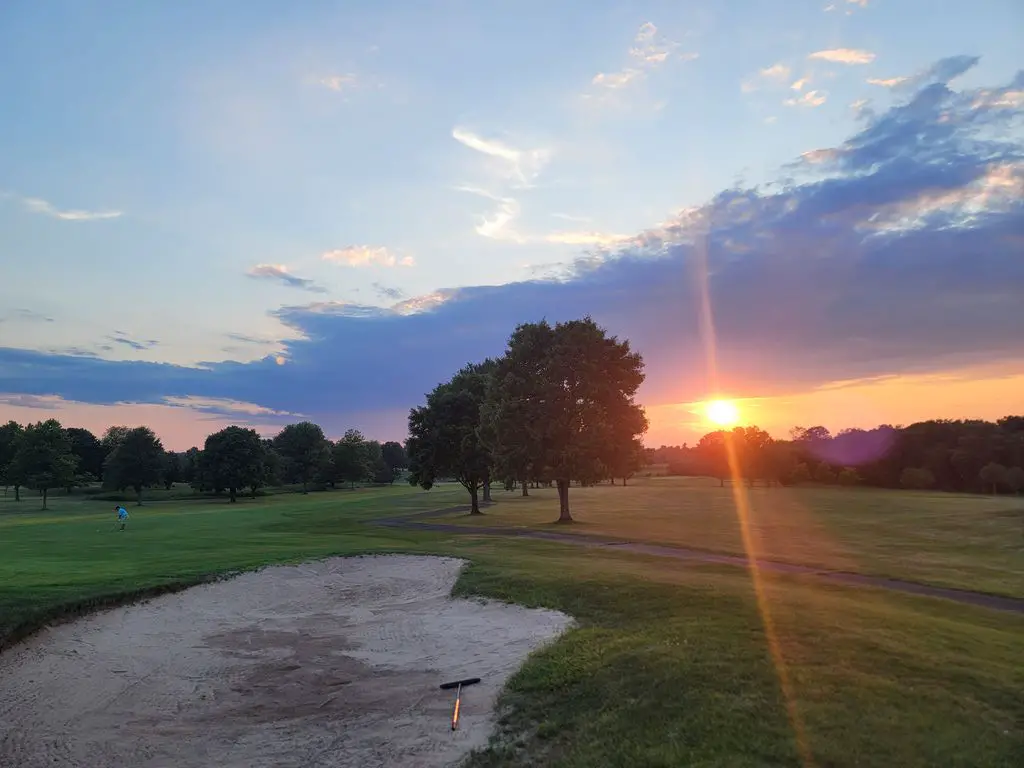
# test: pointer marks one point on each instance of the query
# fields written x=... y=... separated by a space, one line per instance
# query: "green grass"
x=669 y=665
x=960 y=541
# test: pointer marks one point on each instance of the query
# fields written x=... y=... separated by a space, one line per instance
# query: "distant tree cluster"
x=555 y=408
x=46 y=456
x=961 y=456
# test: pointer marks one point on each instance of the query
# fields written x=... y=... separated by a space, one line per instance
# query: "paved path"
x=416 y=522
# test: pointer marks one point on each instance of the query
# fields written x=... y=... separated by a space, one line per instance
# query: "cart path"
x=415 y=521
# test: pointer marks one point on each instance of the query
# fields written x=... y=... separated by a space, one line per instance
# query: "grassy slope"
x=669 y=665
x=968 y=542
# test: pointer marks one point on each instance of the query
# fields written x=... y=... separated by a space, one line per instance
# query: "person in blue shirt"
x=122 y=515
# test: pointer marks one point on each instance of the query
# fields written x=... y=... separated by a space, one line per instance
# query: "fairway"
x=951 y=540
x=670 y=663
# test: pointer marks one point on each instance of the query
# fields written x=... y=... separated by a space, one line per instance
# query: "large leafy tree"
x=233 y=459
x=10 y=435
x=573 y=386
x=352 y=458
x=89 y=450
x=395 y=457
x=305 y=452
x=444 y=438
x=136 y=462
x=44 y=459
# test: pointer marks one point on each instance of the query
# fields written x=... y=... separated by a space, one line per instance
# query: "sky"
x=260 y=212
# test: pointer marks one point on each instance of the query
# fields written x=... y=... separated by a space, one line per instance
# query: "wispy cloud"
x=891 y=82
x=367 y=256
x=798 y=85
x=386 y=292
x=38 y=402
x=279 y=273
x=122 y=338
x=809 y=99
x=38 y=205
x=648 y=52
x=572 y=217
x=521 y=166
x=339 y=83
x=844 y=56
x=26 y=316
x=775 y=75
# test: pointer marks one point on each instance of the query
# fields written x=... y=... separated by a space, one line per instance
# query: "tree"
x=380 y=471
x=444 y=437
x=271 y=467
x=137 y=461
x=993 y=475
x=234 y=459
x=625 y=459
x=89 y=451
x=172 y=469
x=304 y=452
x=917 y=478
x=1015 y=479
x=190 y=465
x=566 y=393
x=44 y=459
x=712 y=457
x=351 y=458
x=10 y=436
x=801 y=474
x=395 y=457
x=752 y=446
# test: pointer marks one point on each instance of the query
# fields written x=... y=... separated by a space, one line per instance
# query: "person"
x=122 y=515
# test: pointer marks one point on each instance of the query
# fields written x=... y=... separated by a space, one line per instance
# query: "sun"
x=724 y=413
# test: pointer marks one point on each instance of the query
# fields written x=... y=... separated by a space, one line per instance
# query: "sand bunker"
x=335 y=663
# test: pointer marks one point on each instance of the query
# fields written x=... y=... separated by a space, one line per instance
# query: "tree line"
x=967 y=456
x=556 y=408
x=46 y=456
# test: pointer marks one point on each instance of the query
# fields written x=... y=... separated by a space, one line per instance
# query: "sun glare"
x=724 y=413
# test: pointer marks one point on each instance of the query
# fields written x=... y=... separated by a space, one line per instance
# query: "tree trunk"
x=44 y=498
x=474 y=501
x=138 y=495
x=17 y=493
x=231 y=494
x=254 y=491
x=721 y=482
x=563 y=502
x=624 y=482
x=526 y=490
x=613 y=481
x=304 y=489
x=487 y=492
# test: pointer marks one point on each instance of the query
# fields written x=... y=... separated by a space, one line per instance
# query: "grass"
x=960 y=541
x=670 y=664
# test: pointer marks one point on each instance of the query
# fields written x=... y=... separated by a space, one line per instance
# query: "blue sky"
x=254 y=210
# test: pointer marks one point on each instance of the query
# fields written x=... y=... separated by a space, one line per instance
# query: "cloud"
x=809 y=99
x=339 y=83
x=43 y=403
x=37 y=205
x=891 y=82
x=367 y=256
x=517 y=165
x=23 y=315
x=394 y=294
x=844 y=56
x=279 y=273
x=896 y=251
x=648 y=52
x=798 y=85
x=122 y=338
x=774 y=76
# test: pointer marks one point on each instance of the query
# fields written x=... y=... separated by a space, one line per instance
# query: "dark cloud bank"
x=900 y=250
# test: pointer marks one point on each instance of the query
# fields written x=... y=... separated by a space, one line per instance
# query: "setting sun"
x=724 y=413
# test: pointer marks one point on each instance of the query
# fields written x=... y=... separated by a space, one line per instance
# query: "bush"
x=801 y=474
x=824 y=474
x=917 y=478
x=849 y=476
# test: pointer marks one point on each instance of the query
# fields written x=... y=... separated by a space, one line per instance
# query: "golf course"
x=668 y=661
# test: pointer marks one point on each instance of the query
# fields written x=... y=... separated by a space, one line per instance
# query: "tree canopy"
x=137 y=460
x=305 y=453
x=233 y=458
x=44 y=459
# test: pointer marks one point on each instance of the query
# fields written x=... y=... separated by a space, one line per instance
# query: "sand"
x=334 y=663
